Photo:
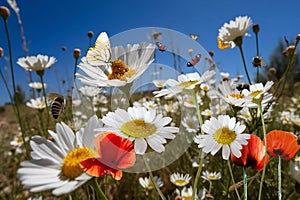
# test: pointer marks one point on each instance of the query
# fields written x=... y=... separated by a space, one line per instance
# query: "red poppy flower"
x=282 y=143
x=115 y=153
x=252 y=154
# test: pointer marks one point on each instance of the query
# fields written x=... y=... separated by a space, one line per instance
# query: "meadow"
x=136 y=125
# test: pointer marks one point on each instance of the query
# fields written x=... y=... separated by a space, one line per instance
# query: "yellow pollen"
x=212 y=177
x=180 y=182
x=236 y=96
x=150 y=185
x=224 y=135
x=120 y=71
x=187 y=83
x=70 y=167
x=255 y=93
x=138 y=128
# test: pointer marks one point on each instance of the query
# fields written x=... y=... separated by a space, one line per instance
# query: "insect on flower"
x=194 y=61
x=223 y=45
x=257 y=61
x=242 y=86
x=194 y=36
x=161 y=47
x=57 y=104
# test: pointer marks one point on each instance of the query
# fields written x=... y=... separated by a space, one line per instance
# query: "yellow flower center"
x=150 y=185
x=212 y=177
x=180 y=182
x=255 y=93
x=224 y=135
x=236 y=96
x=187 y=83
x=138 y=128
x=120 y=71
x=70 y=167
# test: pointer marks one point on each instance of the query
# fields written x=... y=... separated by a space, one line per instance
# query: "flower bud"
x=211 y=53
x=298 y=38
x=255 y=28
x=4 y=12
x=76 y=53
x=1 y=52
x=272 y=70
x=90 y=34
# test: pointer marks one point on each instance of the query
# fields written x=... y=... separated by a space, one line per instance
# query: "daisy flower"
x=89 y=91
x=211 y=176
x=253 y=154
x=180 y=179
x=55 y=165
x=295 y=169
x=141 y=126
x=222 y=132
x=36 y=63
x=185 y=82
x=186 y=193
x=191 y=123
x=37 y=85
x=233 y=31
x=257 y=94
x=38 y=103
x=105 y=66
x=147 y=183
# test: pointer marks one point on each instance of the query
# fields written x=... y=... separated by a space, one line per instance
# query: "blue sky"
x=51 y=24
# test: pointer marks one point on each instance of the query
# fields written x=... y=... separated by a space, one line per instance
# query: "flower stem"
x=245 y=183
x=98 y=189
x=265 y=142
x=257 y=53
x=244 y=62
x=45 y=99
x=232 y=178
x=153 y=181
x=198 y=175
x=279 y=178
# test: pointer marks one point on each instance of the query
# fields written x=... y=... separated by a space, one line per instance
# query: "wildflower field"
x=130 y=127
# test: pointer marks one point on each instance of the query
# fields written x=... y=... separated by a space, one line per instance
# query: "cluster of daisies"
x=112 y=143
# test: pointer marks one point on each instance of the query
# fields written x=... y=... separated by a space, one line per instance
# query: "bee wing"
x=222 y=45
x=100 y=54
x=52 y=96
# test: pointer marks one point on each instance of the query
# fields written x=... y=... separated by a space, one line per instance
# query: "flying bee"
x=57 y=104
x=161 y=47
x=243 y=86
x=257 y=61
x=194 y=61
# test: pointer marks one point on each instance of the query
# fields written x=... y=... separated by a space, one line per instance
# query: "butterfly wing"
x=100 y=54
x=222 y=45
x=194 y=36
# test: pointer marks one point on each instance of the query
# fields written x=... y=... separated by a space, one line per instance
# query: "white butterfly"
x=100 y=54
x=194 y=36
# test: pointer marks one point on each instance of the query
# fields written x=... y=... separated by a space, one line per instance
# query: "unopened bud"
x=76 y=53
x=255 y=28
x=4 y=12
x=1 y=52
x=211 y=53
x=298 y=38
x=90 y=34
x=272 y=70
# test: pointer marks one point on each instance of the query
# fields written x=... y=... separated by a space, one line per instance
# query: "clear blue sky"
x=51 y=24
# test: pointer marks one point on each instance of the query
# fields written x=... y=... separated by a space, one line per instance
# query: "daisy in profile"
x=185 y=82
x=233 y=32
x=258 y=94
x=36 y=63
x=38 y=103
x=37 y=85
x=142 y=126
x=147 y=183
x=222 y=132
x=55 y=165
x=180 y=179
x=105 y=66
x=211 y=176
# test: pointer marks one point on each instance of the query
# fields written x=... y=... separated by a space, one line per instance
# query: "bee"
x=57 y=104
x=257 y=61
x=156 y=35
x=161 y=47
x=194 y=36
x=223 y=45
x=194 y=61
x=243 y=86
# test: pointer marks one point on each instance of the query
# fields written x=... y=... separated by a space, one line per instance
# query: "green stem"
x=47 y=108
x=41 y=118
x=279 y=178
x=244 y=62
x=7 y=88
x=98 y=189
x=153 y=181
x=232 y=178
x=265 y=142
x=198 y=175
x=257 y=53
x=15 y=103
x=245 y=183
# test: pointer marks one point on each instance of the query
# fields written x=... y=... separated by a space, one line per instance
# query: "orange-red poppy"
x=282 y=143
x=252 y=154
x=115 y=153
